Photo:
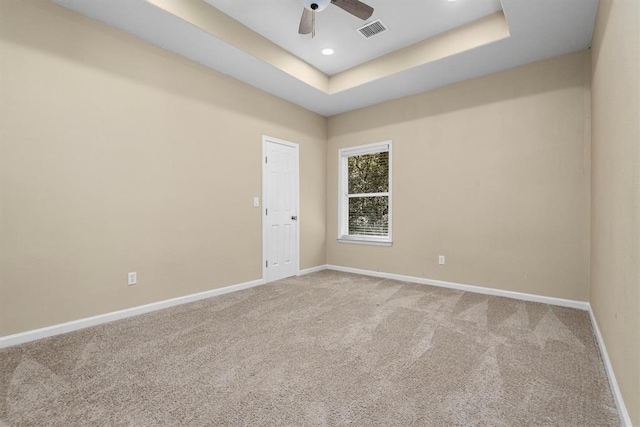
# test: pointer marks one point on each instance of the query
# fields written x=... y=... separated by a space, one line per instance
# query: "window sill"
x=365 y=241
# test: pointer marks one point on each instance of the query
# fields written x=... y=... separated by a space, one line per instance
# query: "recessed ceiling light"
x=327 y=51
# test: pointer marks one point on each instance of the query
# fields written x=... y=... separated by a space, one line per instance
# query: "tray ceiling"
x=430 y=43
x=408 y=22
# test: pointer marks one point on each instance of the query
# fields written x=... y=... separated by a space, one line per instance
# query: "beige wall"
x=119 y=156
x=615 y=229
x=493 y=173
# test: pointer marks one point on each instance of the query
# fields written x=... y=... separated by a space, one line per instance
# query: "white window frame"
x=343 y=188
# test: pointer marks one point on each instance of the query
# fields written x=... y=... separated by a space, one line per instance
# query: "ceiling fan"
x=308 y=20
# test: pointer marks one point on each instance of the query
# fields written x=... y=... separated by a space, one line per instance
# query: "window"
x=365 y=194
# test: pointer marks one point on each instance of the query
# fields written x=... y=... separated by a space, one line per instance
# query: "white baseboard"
x=312 y=270
x=581 y=305
x=625 y=420
x=36 y=334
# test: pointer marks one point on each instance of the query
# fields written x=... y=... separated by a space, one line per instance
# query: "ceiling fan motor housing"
x=316 y=5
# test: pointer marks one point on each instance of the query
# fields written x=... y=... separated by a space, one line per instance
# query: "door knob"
x=295 y=218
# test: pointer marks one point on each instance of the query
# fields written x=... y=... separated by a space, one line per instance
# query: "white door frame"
x=265 y=140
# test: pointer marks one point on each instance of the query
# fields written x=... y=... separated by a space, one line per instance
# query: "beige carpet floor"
x=324 y=349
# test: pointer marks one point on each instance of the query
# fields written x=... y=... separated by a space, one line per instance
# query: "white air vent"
x=370 y=30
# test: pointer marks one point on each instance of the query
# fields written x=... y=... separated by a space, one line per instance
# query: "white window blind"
x=365 y=193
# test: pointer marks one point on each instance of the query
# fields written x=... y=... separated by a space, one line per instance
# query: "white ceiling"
x=407 y=21
x=539 y=29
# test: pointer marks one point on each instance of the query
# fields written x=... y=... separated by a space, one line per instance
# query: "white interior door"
x=280 y=196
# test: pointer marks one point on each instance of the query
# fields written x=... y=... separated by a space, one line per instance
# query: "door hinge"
x=266 y=211
x=267 y=264
x=265 y=159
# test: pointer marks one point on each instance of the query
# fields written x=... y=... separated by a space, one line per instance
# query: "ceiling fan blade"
x=355 y=7
x=306 y=22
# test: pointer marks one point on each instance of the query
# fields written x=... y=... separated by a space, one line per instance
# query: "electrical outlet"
x=132 y=278
x=441 y=260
